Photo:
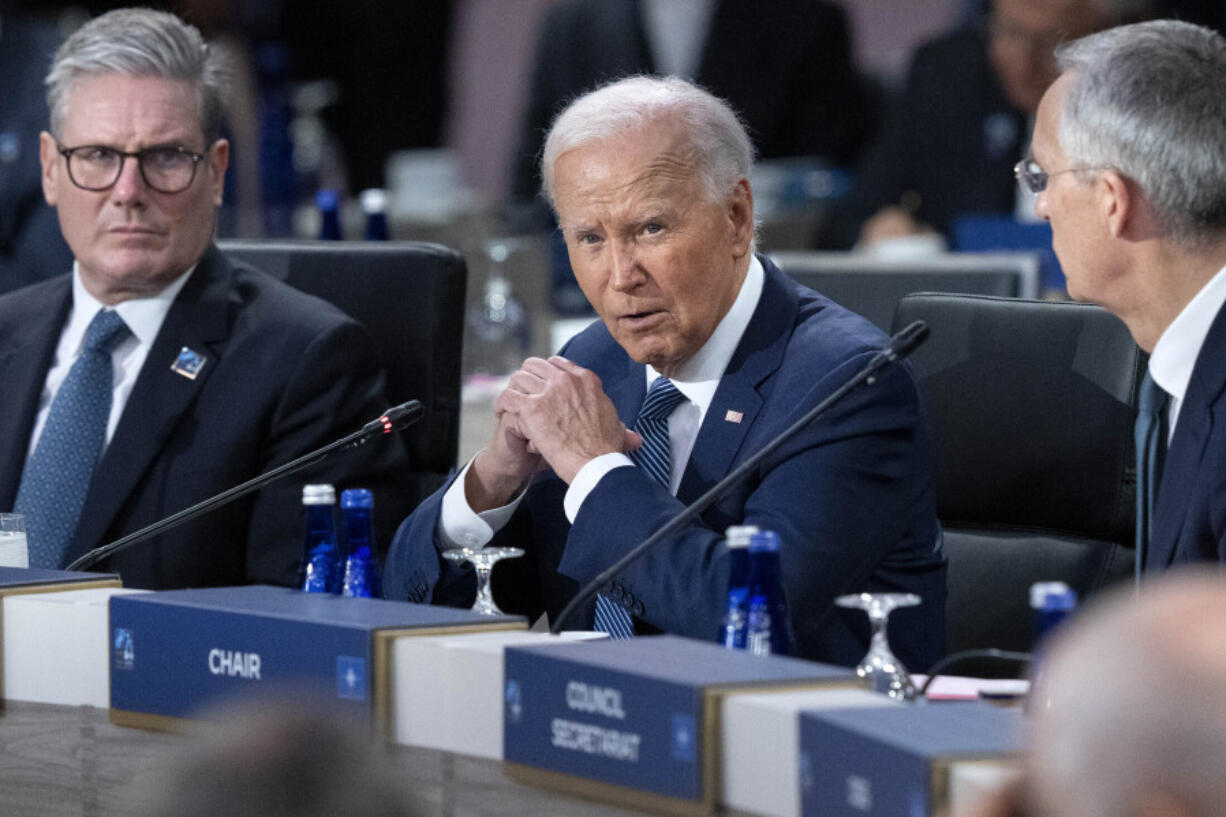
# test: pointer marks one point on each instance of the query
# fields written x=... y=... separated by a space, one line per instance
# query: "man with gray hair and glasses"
x=1129 y=167
x=704 y=353
x=156 y=373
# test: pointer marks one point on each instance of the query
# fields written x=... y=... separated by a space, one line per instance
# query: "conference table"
x=61 y=760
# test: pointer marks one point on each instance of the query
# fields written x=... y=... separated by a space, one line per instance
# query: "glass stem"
x=483 y=583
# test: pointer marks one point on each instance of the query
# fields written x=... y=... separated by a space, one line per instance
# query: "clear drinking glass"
x=483 y=560
x=14 y=552
x=884 y=672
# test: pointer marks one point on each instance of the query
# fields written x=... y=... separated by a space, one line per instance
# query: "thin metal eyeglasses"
x=1033 y=178
x=164 y=169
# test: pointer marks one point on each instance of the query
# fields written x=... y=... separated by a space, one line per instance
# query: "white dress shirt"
x=1175 y=353
x=697 y=380
x=144 y=316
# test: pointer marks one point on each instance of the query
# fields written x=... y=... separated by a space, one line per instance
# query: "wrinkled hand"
x=561 y=412
x=501 y=468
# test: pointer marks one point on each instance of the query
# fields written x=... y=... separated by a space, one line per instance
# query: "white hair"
x=721 y=152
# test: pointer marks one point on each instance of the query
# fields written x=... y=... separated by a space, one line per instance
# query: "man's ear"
x=218 y=159
x=1117 y=202
x=49 y=156
x=740 y=217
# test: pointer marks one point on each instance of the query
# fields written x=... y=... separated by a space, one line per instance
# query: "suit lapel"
x=1184 y=459
x=25 y=358
x=737 y=402
x=199 y=320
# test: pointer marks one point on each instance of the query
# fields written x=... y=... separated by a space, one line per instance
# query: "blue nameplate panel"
x=894 y=761
x=16 y=580
x=176 y=651
x=634 y=720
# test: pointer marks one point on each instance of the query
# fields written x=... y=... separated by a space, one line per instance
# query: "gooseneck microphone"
x=901 y=345
x=394 y=419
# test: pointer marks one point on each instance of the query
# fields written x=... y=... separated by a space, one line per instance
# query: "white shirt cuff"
x=459 y=526
x=590 y=474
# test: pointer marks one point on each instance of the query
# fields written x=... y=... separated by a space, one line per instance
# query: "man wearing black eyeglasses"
x=158 y=373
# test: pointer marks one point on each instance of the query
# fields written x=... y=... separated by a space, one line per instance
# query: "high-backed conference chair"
x=410 y=297
x=1030 y=405
x=873 y=286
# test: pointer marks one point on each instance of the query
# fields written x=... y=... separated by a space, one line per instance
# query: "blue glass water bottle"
x=362 y=565
x=329 y=205
x=768 y=627
x=321 y=563
x=374 y=208
x=736 y=613
x=1052 y=603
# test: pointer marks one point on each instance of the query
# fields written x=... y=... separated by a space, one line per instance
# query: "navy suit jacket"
x=851 y=496
x=286 y=373
x=1190 y=515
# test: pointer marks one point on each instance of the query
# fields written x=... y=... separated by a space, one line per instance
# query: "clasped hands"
x=552 y=413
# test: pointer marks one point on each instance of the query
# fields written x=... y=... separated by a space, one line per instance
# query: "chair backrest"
x=872 y=286
x=410 y=297
x=1030 y=405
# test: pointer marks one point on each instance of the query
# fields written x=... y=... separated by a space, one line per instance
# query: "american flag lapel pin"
x=188 y=363
x=731 y=416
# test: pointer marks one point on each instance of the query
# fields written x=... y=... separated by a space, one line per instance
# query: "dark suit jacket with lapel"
x=286 y=373
x=786 y=67
x=949 y=146
x=851 y=496
x=1190 y=517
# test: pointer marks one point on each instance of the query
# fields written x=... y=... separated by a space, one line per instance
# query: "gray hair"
x=139 y=42
x=722 y=152
x=1149 y=100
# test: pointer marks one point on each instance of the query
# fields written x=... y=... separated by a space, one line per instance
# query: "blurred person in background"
x=963 y=120
x=786 y=66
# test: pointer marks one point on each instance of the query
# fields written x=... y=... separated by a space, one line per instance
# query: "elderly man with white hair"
x=704 y=352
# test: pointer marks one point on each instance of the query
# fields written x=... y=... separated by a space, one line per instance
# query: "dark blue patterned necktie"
x=1150 y=437
x=57 y=475
x=655 y=458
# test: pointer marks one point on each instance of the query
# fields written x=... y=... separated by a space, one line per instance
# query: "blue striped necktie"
x=57 y=475
x=655 y=458
x=1150 y=437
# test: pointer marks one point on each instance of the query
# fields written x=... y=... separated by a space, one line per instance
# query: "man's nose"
x=625 y=273
x=130 y=187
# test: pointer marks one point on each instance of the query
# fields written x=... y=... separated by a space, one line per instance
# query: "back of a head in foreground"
x=1132 y=719
x=263 y=759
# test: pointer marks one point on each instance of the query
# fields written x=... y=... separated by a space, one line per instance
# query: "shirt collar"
x=699 y=377
x=144 y=316
x=1175 y=353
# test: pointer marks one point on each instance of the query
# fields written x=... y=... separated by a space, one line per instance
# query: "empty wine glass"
x=879 y=667
x=483 y=560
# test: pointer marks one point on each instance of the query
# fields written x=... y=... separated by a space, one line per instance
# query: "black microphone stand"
x=900 y=346
x=393 y=419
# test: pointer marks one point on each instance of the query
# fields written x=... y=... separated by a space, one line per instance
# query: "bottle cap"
x=318 y=495
x=357 y=498
x=327 y=200
x=373 y=200
x=1052 y=596
x=764 y=541
x=738 y=536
